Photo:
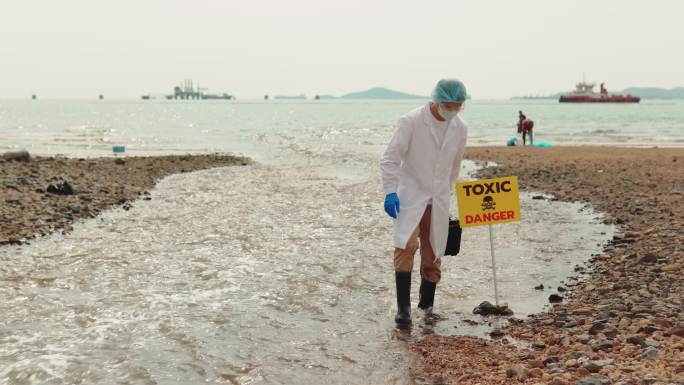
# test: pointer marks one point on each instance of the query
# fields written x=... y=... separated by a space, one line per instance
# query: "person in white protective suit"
x=419 y=168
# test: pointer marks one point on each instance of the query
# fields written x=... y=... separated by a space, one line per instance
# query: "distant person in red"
x=521 y=117
x=525 y=127
x=526 y=130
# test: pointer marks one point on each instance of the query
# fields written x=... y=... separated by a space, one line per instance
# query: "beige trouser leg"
x=403 y=258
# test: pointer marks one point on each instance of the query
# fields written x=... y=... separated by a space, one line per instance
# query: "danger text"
x=490 y=217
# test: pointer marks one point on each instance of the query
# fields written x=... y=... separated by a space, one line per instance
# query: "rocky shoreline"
x=39 y=195
x=621 y=322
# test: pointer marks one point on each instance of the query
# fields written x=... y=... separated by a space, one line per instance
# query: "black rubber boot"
x=403 y=280
x=427 y=295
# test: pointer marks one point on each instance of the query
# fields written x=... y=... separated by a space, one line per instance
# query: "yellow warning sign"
x=488 y=201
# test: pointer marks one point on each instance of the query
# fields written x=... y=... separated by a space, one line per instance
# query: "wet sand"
x=28 y=209
x=621 y=319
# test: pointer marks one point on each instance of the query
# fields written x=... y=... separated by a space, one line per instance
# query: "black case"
x=454 y=238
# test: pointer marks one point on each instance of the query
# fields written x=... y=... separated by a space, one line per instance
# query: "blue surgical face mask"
x=446 y=114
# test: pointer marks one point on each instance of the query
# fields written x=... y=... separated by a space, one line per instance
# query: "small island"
x=376 y=93
x=656 y=93
x=381 y=93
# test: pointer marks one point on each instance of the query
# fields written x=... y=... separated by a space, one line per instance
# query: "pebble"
x=648 y=258
x=594 y=380
x=60 y=188
x=597 y=327
x=649 y=353
x=583 y=310
x=555 y=298
x=636 y=339
x=17 y=156
x=596 y=366
x=624 y=322
x=516 y=371
x=487 y=308
x=535 y=364
x=602 y=345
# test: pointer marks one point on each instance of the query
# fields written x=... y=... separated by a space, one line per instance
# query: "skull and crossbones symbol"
x=488 y=203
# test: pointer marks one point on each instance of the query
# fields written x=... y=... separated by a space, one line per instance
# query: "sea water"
x=256 y=128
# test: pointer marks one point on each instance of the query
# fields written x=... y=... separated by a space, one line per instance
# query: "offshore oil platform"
x=187 y=91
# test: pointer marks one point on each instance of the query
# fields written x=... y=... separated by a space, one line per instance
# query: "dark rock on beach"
x=485 y=308
x=555 y=298
x=17 y=156
x=60 y=188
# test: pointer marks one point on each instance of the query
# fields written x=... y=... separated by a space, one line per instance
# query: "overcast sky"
x=499 y=48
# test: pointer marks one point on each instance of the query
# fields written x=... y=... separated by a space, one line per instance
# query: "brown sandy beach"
x=621 y=322
x=28 y=209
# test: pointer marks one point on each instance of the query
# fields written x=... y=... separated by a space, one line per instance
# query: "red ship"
x=584 y=93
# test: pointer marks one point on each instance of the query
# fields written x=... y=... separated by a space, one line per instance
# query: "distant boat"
x=187 y=90
x=584 y=93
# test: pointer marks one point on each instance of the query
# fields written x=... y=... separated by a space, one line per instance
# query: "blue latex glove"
x=392 y=205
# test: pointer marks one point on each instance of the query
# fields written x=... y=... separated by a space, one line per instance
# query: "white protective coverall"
x=418 y=168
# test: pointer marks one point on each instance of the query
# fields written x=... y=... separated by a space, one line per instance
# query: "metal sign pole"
x=489 y=202
x=491 y=247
